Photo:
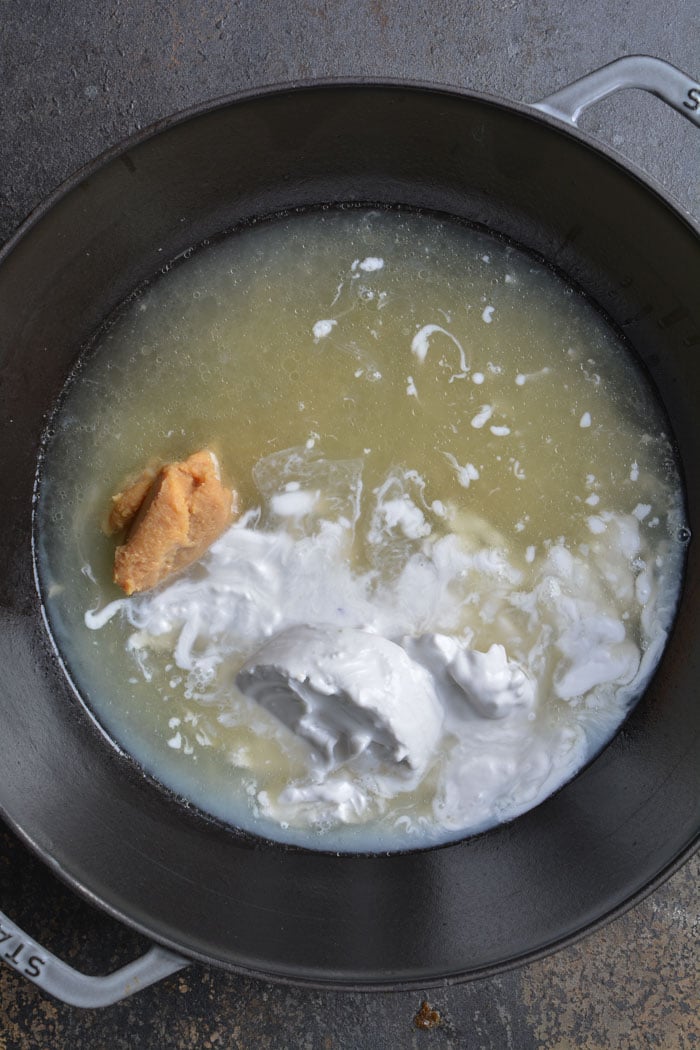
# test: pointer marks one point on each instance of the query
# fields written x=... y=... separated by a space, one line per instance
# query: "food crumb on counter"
x=427 y=1017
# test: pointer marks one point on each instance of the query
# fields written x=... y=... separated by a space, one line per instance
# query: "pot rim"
x=339 y=985
x=200 y=109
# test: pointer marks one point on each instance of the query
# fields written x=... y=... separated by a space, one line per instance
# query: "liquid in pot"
x=436 y=443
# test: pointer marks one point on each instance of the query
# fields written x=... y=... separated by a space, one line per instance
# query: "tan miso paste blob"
x=173 y=516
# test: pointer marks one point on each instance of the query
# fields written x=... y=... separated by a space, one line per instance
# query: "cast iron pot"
x=209 y=892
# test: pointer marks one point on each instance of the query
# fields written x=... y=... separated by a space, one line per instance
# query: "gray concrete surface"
x=76 y=79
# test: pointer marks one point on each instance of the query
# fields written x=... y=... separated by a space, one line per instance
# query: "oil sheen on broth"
x=462 y=532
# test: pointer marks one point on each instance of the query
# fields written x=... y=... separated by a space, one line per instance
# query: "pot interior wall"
x=269 y=909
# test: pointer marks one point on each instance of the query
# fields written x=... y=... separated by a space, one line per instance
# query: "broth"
x=430 y=434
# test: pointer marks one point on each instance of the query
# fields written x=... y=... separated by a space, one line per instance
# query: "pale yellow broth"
x=220 y=352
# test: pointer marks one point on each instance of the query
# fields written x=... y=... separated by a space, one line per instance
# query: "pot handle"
x=59 y=979
x=662 y=79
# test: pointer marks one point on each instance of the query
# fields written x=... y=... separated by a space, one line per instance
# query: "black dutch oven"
x=207 y=891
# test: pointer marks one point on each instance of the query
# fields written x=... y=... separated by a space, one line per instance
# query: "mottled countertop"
x=78 y=78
